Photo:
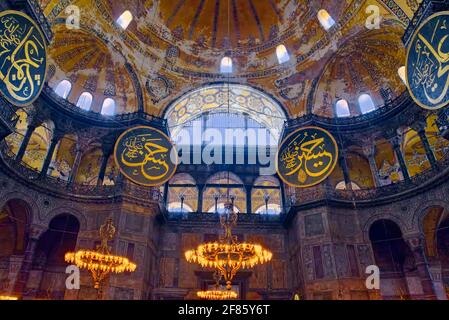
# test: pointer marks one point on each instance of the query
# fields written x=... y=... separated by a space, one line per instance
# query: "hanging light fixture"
x=101 y=262
x=228 y=255
x=217 y=293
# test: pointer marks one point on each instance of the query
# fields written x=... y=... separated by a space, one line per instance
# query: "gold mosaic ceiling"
x=172 y=47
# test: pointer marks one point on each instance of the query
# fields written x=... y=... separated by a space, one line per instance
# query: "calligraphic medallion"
x=23 y=58
x=306 y=157
x=146 y=156
x=427 y=64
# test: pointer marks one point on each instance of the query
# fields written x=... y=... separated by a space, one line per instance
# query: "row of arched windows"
x=85 y=99
x=365 y=101
x=282 y=54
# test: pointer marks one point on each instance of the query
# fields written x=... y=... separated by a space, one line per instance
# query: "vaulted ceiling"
x=172 y=47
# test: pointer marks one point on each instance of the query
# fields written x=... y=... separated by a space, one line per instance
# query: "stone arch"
x=420 y=213
x=34 y=211
x=385 y=216
x=82 y=219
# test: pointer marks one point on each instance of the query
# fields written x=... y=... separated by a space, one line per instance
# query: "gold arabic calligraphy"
x=144 y=152
x=307 y=157
x=22 y=56
x=428 y=60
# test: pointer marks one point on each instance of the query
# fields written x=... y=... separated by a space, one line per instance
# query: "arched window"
x=179 y=207
x=325 y=19
x=342 y=186
x=84 y=101
x=125 y=19
x=366 y=104
x=221 y=208
x=63 y=89
x=108 y=108
x=282 y=54
x=342 y=108
x=273 y=208
x=226 y=65
x=401 y=73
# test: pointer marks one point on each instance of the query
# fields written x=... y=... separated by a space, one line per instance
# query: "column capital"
x=369 y=148
x=419 y=127
x=391 y=133
x=395 y=141
x=35 y=231
x=415 y=241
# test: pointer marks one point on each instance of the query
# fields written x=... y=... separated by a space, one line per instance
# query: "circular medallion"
x=427 y=64
x=306 y=157
x=23 y=58
x=146 y=156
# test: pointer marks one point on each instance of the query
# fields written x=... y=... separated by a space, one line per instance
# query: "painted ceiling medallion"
x=23 y=57
x=306 y=157
x=144 y=155
x=427 y=67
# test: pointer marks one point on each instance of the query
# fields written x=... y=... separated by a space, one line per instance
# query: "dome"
x=166 y=48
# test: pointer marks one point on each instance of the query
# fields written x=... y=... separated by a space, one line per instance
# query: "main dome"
x=172 y=47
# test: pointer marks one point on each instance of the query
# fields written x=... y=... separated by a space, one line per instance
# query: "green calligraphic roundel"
x=306 y=157
x=146 y=156
x=427 y=66
x=23 y=58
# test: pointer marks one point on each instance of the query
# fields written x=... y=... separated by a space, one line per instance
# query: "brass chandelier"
x=101 y=262
x=228 y=255
x=217 y=293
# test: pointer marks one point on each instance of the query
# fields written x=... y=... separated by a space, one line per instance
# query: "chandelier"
x=228 y=255
x=101 y=262
x=8 y=298
x=217 y=294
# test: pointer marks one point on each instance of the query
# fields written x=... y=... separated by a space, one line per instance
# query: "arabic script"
x=22 y=58
x=428 y=63
x=307 y=157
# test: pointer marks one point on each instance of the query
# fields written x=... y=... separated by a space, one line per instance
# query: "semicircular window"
x=237 y=114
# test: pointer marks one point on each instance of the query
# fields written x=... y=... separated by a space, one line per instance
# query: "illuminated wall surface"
x=250 y=150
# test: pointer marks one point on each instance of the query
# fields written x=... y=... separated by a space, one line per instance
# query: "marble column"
x=51 y=150
x=200 y=197
x=76 y=164
x=248 y=200
x=429 y=152
x=369 y=150
x=344 y=168
x=395 y=142
x=416 y=244
x=27 y=262
x=25 y=141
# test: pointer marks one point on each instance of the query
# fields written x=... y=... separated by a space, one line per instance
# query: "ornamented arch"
x=65 y=210
x=421 y=212
x=32 y=206
x=385 y=216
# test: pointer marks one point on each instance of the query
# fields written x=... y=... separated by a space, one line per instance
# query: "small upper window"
x=366 y=104
x=401 y=73
x=84 y=101
x=226 y=65
x=342 y=108
x=63 y=89
x=125 y=19
x=282 y=54
x=108 y=108
x=325 y=19
x=342 y=186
